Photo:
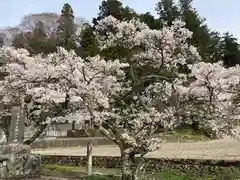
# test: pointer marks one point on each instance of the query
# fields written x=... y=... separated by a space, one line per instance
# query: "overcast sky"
x=221 y=15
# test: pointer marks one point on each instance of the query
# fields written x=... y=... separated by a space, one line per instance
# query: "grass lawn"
x=185 y=134
x=165 y=175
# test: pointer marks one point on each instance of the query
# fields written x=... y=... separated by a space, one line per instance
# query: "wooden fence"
x=53 y=131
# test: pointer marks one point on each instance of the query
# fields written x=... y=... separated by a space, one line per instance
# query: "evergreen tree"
x=167 y=10
x=215 y=51
x=201 y=33
x=88 y=42
x=230 y=49
x=66 y=28
x=37 y=39
x=107 y=8
x=1 y=42
x=116 y=9
x=149 y=19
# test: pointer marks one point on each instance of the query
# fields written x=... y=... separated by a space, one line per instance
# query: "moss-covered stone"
x=214 y=167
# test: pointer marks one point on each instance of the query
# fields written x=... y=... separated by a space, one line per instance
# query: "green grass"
x=165 y=175
x=177 y=175
x=63 y=168
x=185 y=134
x=181 y=134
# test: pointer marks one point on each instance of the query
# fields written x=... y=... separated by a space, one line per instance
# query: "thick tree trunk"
x=89 y=156
x=128 y=167
x=73 y=126
x=126 y=173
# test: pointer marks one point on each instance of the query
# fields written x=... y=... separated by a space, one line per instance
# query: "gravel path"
x=226 y=149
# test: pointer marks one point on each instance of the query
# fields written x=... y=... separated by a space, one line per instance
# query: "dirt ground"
x=217 y=149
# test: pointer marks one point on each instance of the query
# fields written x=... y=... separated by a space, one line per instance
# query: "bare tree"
x=8 y=34
x=49 y=20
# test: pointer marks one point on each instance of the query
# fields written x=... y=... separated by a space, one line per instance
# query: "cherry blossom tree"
x=60 y=84
x=59 y=87
x=169 y=100
x=214 y=98
x=132 y=99
x=135 y=127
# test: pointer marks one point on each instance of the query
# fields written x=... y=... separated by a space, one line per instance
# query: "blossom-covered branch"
x=48 y=82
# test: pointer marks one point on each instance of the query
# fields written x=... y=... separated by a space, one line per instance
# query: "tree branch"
x=106 y=133
x=42 y=127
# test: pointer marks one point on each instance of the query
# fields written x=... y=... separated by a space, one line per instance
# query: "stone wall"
x=24 y=177
x=68 y=142
x=185 y=165
x=56 y=175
